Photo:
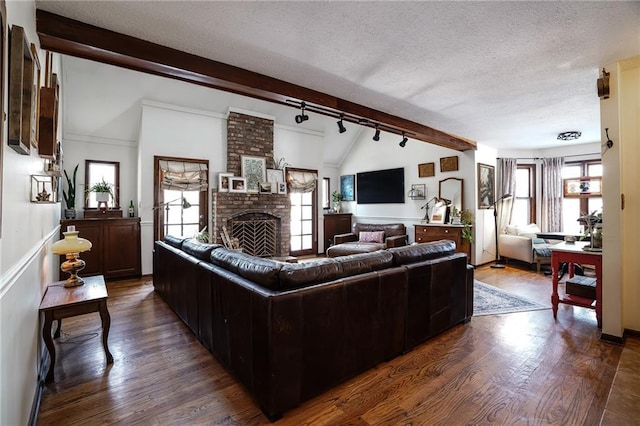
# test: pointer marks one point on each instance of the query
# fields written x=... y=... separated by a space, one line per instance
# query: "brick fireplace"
x=252 y=136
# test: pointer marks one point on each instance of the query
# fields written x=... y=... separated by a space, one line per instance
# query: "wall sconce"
x=418 y=191
x=603 y=85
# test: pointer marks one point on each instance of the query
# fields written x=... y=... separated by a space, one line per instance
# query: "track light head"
x=341 y=127
x=302 y=116
x=376 y=136
x=404 y=140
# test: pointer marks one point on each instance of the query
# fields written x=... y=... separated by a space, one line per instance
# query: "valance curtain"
x=301 y=181
x=552 y=193
x=507 y=168
x=183 y=176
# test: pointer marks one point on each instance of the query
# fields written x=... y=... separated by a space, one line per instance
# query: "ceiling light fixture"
x=569 y=136
x=341 y=127
x=376 y=136
x=302 y=116
x=404 y=140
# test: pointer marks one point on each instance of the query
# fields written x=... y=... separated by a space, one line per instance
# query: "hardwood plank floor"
x=521 y=368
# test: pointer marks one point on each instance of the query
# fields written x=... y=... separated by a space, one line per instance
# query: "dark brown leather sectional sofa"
x=289 y=332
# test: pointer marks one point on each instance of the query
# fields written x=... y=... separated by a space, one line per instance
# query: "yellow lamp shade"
x=71 y=244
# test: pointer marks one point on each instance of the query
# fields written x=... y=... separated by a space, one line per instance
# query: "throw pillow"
x=372 y=236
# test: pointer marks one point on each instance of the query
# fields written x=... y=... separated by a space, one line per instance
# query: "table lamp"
x=71 y=246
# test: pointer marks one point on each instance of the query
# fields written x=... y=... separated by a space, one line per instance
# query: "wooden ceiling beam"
x=70 y=37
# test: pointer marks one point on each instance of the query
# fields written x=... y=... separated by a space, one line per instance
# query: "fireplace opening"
x=257 y=233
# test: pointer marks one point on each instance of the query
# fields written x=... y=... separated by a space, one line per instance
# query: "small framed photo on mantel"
x=223 y=181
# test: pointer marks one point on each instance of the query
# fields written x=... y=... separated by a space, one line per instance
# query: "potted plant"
x=336 y=197
x=466 y=218
x=455 y=216
x=103 y=191
x=70 y=195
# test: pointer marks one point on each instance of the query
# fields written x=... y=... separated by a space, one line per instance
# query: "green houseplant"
x=70 y=195
x=336 y=197
x=466 y=219
x=102 y=189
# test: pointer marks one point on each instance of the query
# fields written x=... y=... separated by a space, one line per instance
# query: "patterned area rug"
x=489 y=300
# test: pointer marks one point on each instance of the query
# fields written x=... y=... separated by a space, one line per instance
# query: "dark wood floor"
x=521 y=368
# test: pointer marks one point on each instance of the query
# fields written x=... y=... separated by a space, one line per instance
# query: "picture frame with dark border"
x=267 y=187
x=426 y=170
x=486 y=186
x=3 y=39
x=20 y=91
x=449 y=164
x=35 y=97
x=348 y=187
x=282 y=188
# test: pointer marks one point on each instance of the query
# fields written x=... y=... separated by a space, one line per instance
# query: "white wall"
x=26 y=264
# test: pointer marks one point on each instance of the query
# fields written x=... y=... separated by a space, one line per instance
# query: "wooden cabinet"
x=426 y=233
x=334 y=224
x=116 y=246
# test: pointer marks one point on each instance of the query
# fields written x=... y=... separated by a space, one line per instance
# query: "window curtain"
x=552 y=194
x=301 y=181
x=183 y=176
x=507 y=168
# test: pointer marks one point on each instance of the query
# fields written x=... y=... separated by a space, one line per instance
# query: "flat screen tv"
x=380 y=186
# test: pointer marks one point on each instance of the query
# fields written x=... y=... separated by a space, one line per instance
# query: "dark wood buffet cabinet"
x=116 y=246
x=335 y=224
x=435 y=232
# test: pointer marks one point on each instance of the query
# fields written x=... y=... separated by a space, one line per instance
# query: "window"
x=576 y=206
x=99 y=171
x=325 y=192
x=303 y=185
x=524 y=202
x=181 y=197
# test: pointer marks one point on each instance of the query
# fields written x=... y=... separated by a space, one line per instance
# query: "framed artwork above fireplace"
x=254 y=170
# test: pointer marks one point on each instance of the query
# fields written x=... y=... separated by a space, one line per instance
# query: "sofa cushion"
x=261 y=271
x=296 y=275
x=174 y=241
x=371 y=236
x=422 y=251
x=197 y=249
x=345 y=249
x=365 y=262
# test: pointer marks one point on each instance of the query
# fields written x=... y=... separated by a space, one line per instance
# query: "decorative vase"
x=70 y=213
x=336 y=206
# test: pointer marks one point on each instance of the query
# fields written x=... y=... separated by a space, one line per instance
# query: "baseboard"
x=37 y=398
x=632 y=333
x=610 y=338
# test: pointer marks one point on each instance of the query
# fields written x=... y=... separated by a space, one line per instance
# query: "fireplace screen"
x=257 y=237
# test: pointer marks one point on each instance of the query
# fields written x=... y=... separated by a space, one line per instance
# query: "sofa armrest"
x=516 y=247
x=396 y=241
x=345 y=238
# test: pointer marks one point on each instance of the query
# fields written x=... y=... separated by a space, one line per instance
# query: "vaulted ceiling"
x=504 y=74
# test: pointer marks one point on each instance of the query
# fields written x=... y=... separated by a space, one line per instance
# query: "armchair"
x=368 y=237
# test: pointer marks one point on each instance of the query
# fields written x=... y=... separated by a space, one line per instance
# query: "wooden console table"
x=60 y=302
x=574 y=253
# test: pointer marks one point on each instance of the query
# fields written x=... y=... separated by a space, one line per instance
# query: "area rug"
x=489 y=300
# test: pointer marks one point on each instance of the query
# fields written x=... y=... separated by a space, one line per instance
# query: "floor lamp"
x=185 y=205
x=495 y=222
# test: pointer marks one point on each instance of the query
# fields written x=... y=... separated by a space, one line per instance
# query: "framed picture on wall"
x=348 y=187
x=426 y=170
x=486 y=186
x=254 y=170
x=275 y=175
x=282 y=188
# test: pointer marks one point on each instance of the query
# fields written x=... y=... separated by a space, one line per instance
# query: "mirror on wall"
x=451 y=189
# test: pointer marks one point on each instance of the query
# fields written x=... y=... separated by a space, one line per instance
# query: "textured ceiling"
x=505 y=74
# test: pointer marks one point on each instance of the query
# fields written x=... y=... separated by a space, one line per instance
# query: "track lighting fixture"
x=341 y=127
x=376 y=136
x=302 y=116
x=404 y=140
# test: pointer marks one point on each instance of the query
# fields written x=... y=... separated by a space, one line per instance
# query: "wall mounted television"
x=380 y=186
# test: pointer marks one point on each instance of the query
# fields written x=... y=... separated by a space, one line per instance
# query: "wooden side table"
x=60 y=302
x=574 y=253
